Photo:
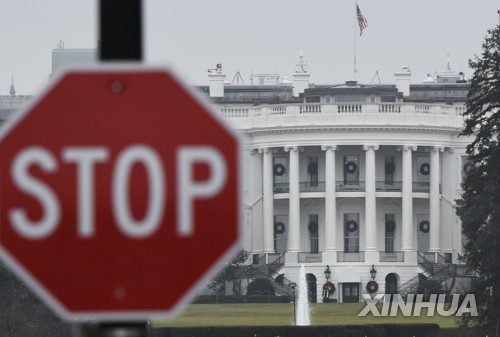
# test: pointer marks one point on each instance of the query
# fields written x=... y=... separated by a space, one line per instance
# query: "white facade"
x=377 y=179
x=347 y=176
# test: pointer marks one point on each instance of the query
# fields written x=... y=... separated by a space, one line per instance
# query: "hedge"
x=382 y=330
x=464 y=332
x=214 y=299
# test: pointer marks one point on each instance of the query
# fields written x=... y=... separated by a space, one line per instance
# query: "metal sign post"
x=78 y=213
x=120 y=37
x=120 y=30
x=113 y=330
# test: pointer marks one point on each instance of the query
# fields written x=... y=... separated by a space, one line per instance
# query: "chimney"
x=403 y=80
x=216 y=78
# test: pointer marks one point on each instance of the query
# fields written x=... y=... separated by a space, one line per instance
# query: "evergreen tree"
x=229 y=274
x=479 y=208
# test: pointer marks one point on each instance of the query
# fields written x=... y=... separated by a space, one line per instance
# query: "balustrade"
x=350 y=257
x=391 y=257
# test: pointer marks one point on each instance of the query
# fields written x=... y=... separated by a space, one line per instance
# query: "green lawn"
x=282 y=314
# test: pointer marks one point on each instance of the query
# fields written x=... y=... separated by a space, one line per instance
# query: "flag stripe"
x=362 y=22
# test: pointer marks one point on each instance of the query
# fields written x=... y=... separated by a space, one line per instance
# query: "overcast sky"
x=257 y=36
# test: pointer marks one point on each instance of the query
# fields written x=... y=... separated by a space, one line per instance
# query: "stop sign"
x=119 y=194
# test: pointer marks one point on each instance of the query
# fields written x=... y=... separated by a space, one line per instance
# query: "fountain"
x=303 y=312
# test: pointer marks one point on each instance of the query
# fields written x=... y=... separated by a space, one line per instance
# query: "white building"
x=348 y=176
x=352 y=176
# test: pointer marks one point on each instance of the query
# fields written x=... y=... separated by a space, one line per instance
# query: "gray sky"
x=259 y=36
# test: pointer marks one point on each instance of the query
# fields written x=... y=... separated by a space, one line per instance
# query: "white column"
x=268 y=200
x=330 y=199
x=294 y=200
x=370 y=200
x=434 y=209
x=407 y=199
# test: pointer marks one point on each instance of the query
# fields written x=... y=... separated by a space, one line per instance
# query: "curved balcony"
x=346 y=114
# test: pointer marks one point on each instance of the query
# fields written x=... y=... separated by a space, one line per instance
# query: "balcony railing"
x=421 y=187
x=281 y=187
x=307 y=186
x=392 y=257
x=350 y=257
x=341 y=186
x=384 y=186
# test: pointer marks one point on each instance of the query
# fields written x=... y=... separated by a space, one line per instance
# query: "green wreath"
x=328 y=289
x=467 y=167
x=350 y=167
x=312 y=168
x=279 y=170
x=351 y=226
x=425 y=169
x=372 y=287
x=424 y=226
x=279 y=227
x=313 y=227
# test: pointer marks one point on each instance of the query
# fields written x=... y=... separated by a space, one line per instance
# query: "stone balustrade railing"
x=283 y=110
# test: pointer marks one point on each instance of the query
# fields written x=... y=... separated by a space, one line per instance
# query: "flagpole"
x=355 y=70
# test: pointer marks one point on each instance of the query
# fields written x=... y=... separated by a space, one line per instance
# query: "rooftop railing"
x=282 y=110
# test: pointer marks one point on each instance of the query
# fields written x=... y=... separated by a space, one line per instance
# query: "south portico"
x=331 y=177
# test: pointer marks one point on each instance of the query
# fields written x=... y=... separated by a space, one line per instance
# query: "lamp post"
x=373 y=272
x=328 y=273
x=293 y=285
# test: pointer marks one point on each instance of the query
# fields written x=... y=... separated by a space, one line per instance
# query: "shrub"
x=260 y=286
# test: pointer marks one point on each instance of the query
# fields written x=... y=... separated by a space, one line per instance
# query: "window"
x=390 y=230
x=423 y=227
x=351 y=232
x=390 y=168
x=312 y=170
x=423 y=168
x=351 y=170
x=280 y=174
x=280 y=233
x=466 y=166
x=313 y=232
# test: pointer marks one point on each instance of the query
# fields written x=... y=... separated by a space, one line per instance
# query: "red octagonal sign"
x=119 y=194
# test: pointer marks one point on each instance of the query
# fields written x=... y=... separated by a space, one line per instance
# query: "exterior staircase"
x=434 y=267
x=268 y=266
x=410 y=286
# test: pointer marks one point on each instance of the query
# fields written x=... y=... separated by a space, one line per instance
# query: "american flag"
x=361 y=20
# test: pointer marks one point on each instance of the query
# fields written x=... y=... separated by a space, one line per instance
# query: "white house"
x=352 y=176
